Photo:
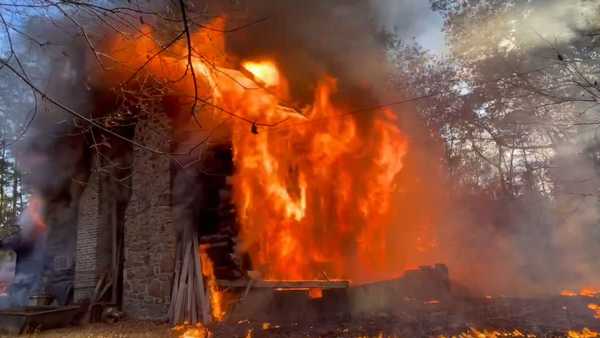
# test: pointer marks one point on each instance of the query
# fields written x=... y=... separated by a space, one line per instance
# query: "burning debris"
x=189 y=331
x=214 y=294
x=584 y=292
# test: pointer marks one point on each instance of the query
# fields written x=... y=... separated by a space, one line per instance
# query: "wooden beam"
x=175 y=285
x=180 y=299
x=203 y=297
x=286 y=284
x=115 y=251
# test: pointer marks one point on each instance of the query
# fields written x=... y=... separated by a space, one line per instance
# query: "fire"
x=200 y=331
x=32 y=220
x=473 y=333
x=34 y=210
x=316 y=197
x=585 y=333
x=318 y=191
x=315 y=293
x=589 y=292
x=584 y=292
x=568 y=293
x=265 y=72
x=214 y=294
x=596 y=309
x=196 y=331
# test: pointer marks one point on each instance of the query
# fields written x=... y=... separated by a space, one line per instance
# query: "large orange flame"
x=316 y=192
x=214 y=294
x=314 y=199
x=265 y=72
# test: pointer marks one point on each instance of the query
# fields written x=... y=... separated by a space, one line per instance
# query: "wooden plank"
x=175 y=285
x=286 y=284
x=99 y=285
x=193 y=304
x=213 y=238
x=208 y=246
x=115 y=251
x=180 y=300
x=109 y=283
x=191 y=301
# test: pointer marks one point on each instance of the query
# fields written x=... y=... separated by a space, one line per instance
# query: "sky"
x=412 y=18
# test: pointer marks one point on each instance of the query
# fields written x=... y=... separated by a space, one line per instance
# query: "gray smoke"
x=543 y=238
x=48 y=144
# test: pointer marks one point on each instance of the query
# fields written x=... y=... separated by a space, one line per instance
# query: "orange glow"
x=584 y=292
x=35 y=210
x=596 y=309
x=589 y=292
x=585 y=333
x=32 y=219
x=196 y=331
x=473 y=333
x=265 y=72
x=315 y=293
x=318 y=191
x=316 y=196
x=214 y=294
x=200 y=332
x=568 y=293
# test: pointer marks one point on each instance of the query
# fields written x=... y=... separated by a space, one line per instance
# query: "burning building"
x=247 y=201
x=224 y=175
x=205 y=165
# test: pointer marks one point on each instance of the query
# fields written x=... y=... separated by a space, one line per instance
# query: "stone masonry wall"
x=87 y=236
x=149 y=233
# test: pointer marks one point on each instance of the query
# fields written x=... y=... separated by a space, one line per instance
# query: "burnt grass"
x=542 y=317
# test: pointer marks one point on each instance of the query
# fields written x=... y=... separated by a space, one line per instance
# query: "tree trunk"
x=3 y=175
x=15 y=192
x=20 y=194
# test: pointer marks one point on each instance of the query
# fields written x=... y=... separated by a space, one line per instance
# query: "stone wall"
x=149 y=241
x=147 y=224
x=87 y=236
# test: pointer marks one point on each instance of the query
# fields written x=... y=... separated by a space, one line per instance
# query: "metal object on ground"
x=111 y=314
x=40 y=300
x=30 y=319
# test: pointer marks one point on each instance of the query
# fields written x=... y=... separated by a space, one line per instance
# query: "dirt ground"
x=541 y=318
x=149 y=329
x=125 y=329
